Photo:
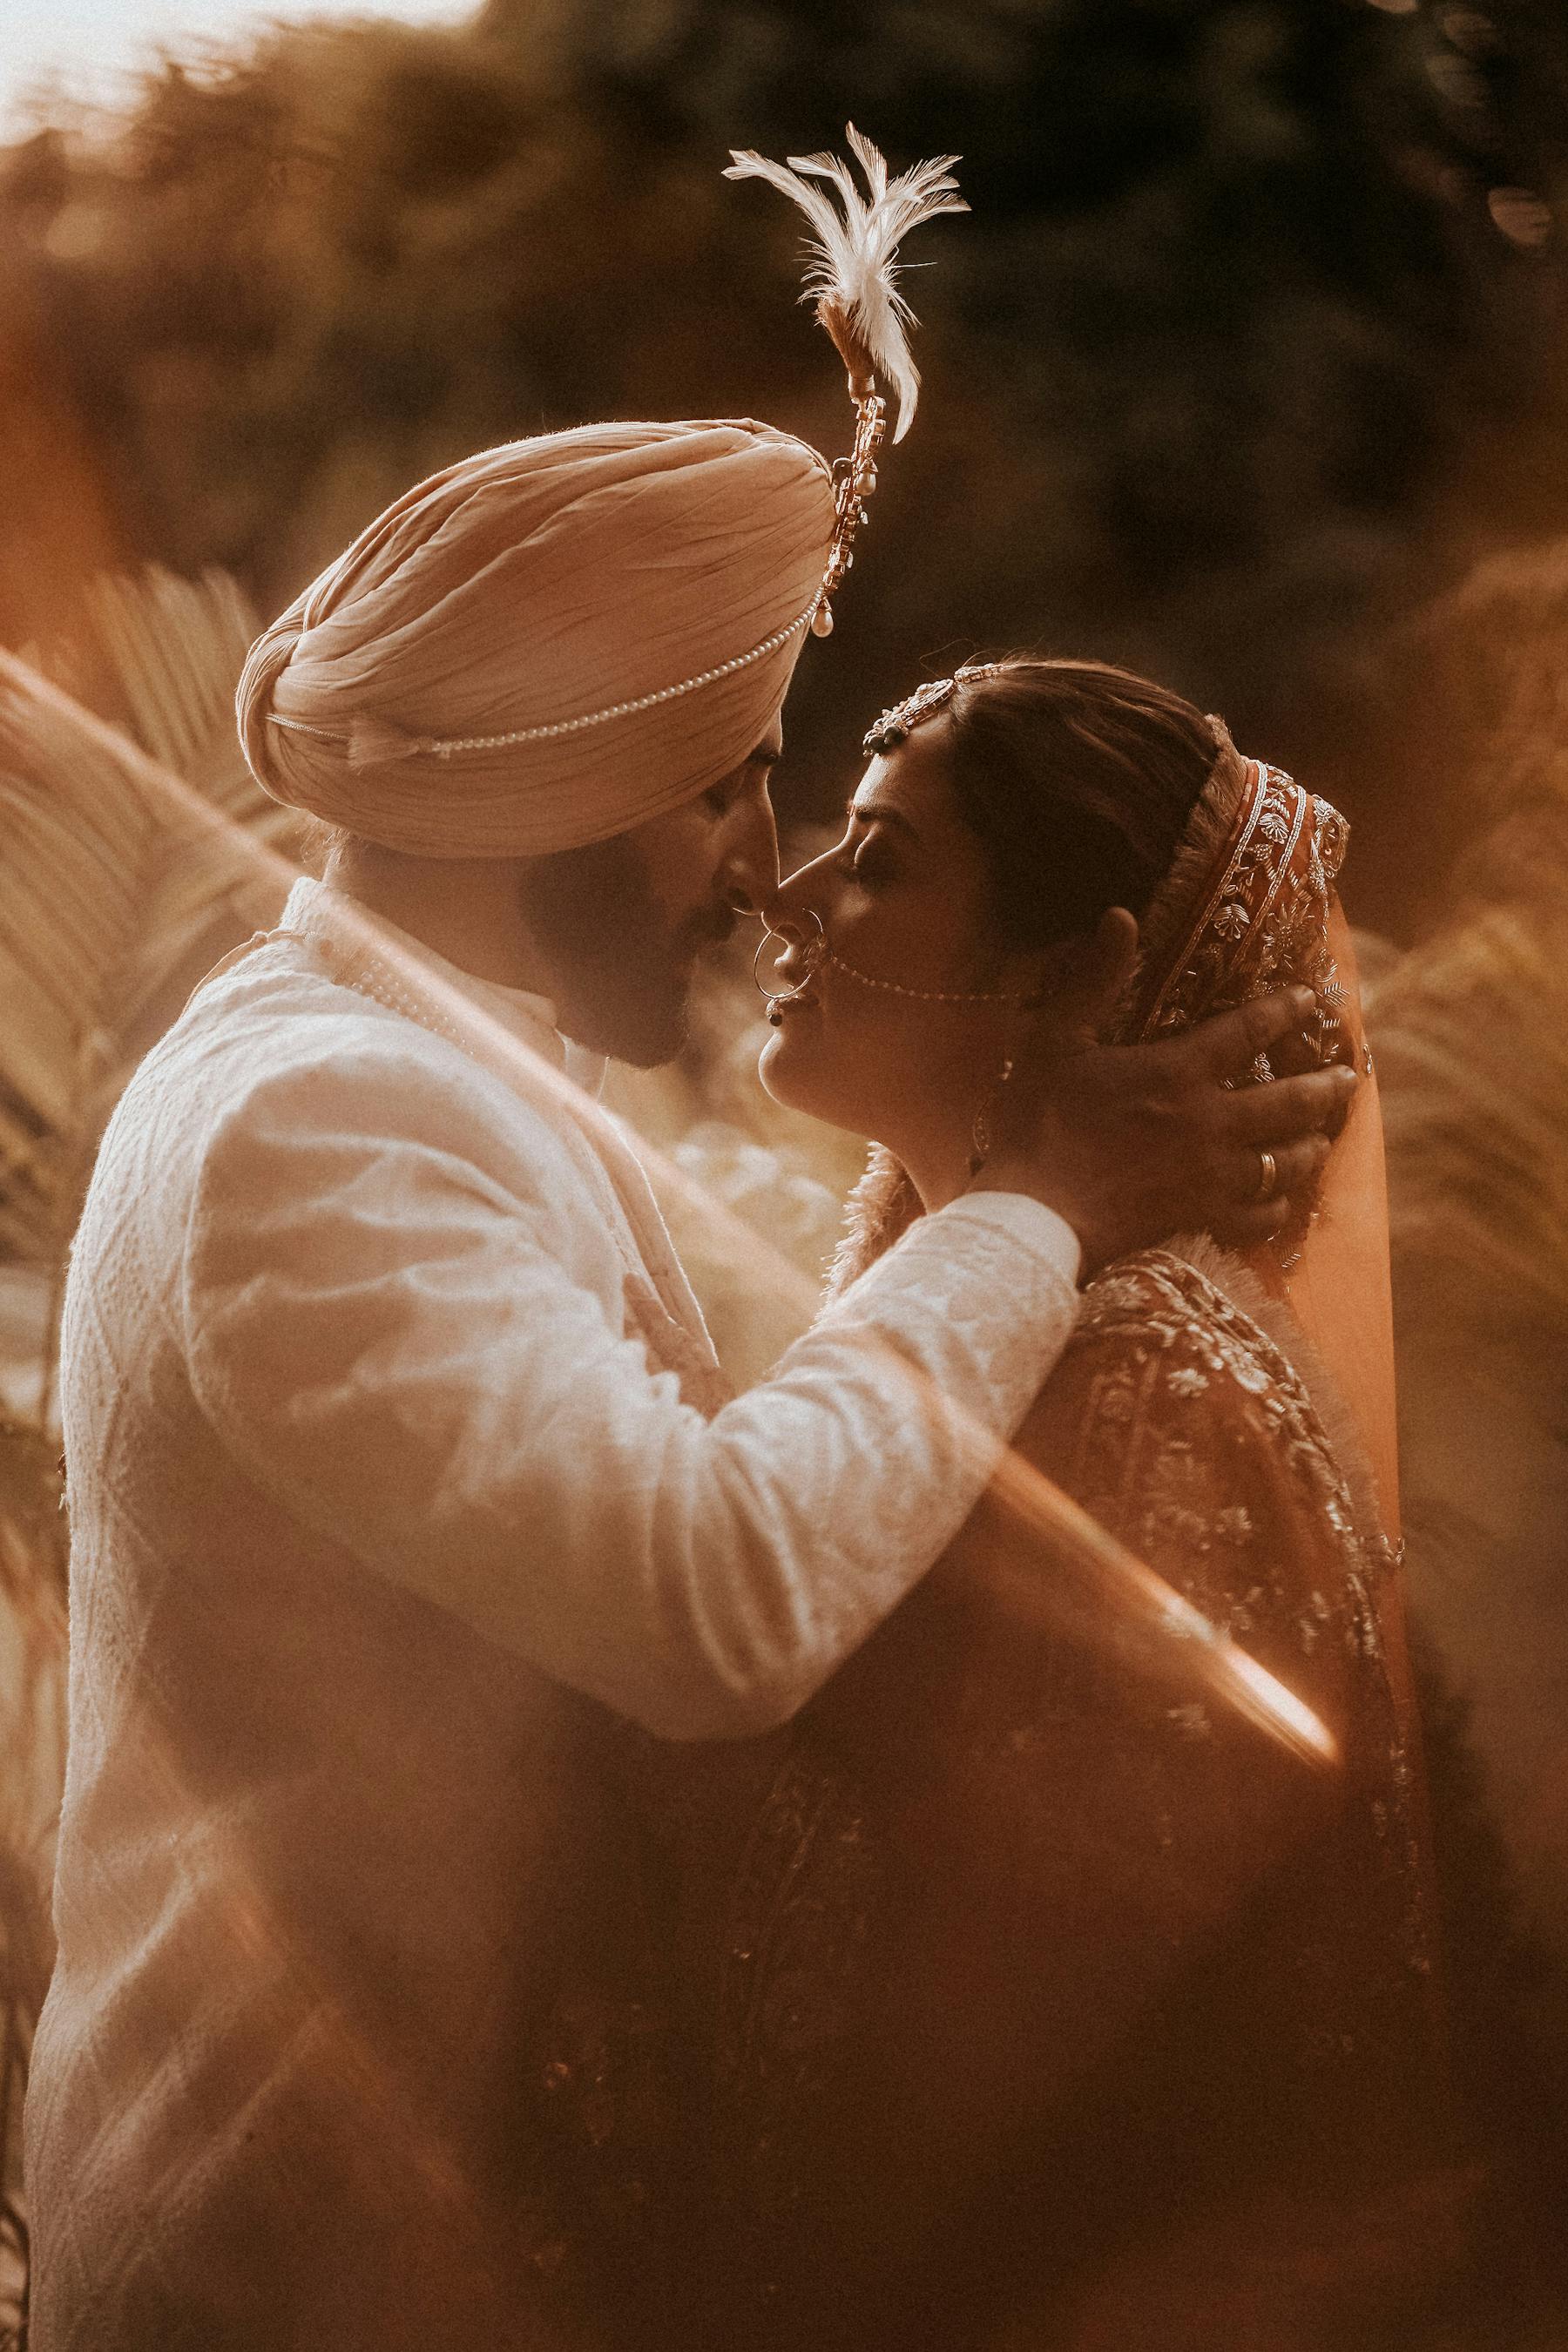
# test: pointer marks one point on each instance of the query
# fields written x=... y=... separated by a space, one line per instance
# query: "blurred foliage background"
x=1251 y=369
x=1255 y=335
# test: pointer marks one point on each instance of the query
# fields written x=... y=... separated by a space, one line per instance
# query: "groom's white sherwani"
x=398 y=1453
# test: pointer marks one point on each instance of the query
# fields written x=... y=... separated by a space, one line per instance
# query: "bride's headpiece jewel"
x=853 y=283
x=901 y=721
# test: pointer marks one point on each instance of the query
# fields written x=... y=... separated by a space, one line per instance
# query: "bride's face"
x=904 y=902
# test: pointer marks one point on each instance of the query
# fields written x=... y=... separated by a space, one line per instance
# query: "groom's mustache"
x=709 y=927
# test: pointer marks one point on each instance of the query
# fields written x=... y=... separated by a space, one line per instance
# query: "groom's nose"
x=749 y=868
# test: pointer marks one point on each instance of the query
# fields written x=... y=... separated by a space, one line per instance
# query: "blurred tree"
x=1249 y=285
x=56 y=524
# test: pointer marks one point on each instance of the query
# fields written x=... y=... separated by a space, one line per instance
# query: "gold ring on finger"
x=1268 y=1176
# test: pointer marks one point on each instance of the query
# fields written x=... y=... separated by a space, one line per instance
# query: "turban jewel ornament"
x=853 y=283
x=553 y=640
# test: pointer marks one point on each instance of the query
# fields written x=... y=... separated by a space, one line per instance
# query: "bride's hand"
x=1132 y=1143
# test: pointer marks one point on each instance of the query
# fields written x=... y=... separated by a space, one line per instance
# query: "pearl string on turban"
x=614 y=613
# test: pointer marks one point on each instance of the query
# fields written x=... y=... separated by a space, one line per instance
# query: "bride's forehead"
x=912 y=780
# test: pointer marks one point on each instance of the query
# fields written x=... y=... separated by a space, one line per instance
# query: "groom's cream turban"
x=549 y=642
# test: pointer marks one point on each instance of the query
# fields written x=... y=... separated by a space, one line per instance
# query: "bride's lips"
x=800 y=959
x=798 y=976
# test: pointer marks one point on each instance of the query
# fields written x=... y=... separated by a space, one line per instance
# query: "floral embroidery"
x=800 y=1932
x=1264 y=918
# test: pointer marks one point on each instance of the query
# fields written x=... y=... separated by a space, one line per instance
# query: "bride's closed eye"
x=865 y=857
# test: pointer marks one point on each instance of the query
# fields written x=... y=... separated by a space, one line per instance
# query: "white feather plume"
x=853 y=279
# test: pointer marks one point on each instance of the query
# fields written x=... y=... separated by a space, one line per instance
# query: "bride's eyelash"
x=867 y=868
x=862 y=858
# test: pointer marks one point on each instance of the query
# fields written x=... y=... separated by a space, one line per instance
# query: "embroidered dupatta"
x=1250 y=905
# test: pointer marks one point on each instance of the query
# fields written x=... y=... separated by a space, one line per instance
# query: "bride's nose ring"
x=814 y=950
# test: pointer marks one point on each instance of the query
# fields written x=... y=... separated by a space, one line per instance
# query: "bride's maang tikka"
x=892 y=728
x=853 y=283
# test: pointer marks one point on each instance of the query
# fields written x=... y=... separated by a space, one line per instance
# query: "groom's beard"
x=620 y=972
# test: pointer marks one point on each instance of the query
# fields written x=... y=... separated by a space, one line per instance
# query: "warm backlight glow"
x=87 y=48
x=1081 y=1571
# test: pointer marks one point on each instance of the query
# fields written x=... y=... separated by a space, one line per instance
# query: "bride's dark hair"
x=1079 y=781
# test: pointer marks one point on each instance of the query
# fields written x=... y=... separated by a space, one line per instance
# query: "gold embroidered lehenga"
x=1025 y=1997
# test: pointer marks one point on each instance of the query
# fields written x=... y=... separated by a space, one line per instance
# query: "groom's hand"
x=1131 y=1143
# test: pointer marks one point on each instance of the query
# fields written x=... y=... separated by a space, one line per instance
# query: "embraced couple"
x=553 y=1854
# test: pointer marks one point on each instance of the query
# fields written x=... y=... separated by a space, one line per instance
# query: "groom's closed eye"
x=756 y=769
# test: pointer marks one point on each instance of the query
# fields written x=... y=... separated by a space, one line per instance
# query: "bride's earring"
x=982 y=1134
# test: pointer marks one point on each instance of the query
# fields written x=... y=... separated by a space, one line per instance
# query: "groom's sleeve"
x=392 y=1342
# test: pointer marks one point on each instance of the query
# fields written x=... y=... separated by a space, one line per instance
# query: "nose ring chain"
x=818 y=952
x=930 y=995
